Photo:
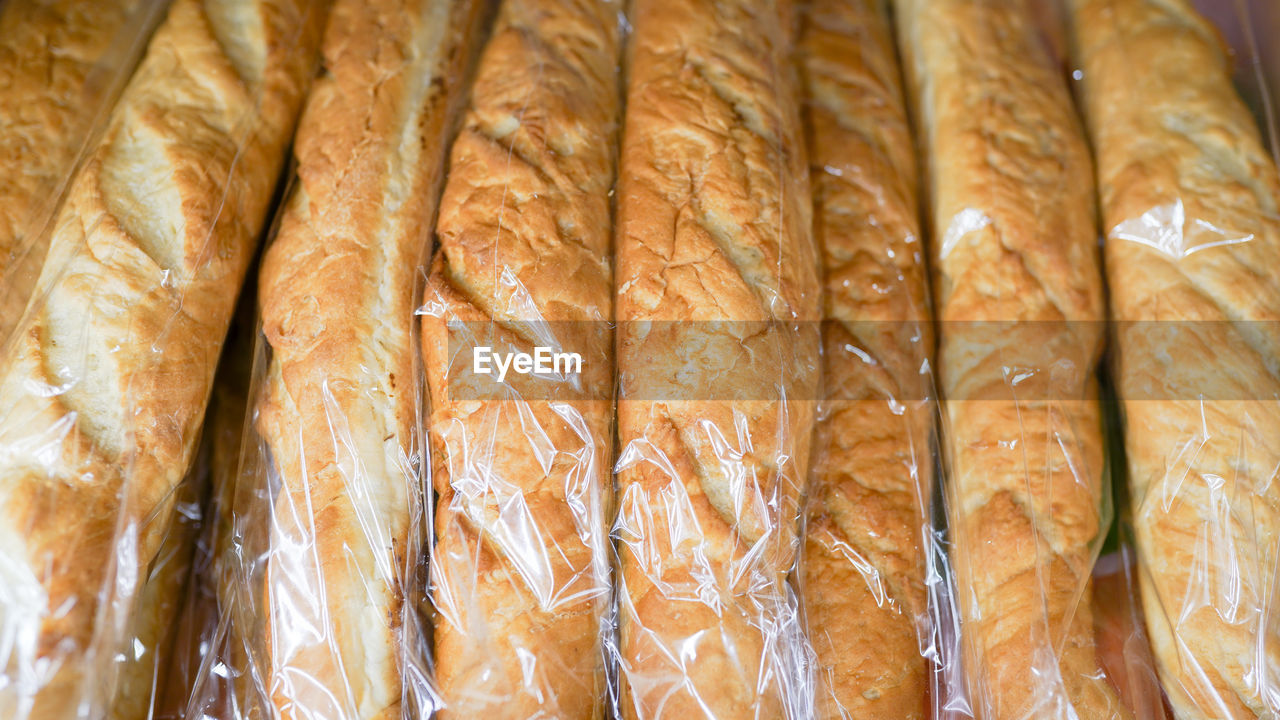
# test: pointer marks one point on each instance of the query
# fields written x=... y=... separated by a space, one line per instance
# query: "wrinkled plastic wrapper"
x=176 y=136
x=1185 y=142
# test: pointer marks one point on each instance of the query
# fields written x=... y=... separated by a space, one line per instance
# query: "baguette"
x=58 y=62
x=520 y=574
x=717 y=304
x=104 y=383
x=338 y=412
x=1019 y=296
x=1189 y=204
x=863 y=567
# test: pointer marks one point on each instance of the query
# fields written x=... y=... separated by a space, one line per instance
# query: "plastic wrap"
x=324 y=616
x=520 y=572
x=103 y=383
x=62 y=64
x=864 y=573
x=1019 y=299
x=1189 y=196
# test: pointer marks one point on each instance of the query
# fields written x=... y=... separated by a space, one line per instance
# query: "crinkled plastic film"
x=206 y=674
x=104 y=381
x=1019 y=300
x=154 y=627
x=1179 y=100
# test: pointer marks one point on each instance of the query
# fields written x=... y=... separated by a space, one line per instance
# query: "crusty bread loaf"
x=863 y=568
x=520 y=571
x=1189 y=206
x=717 y=303
x=1020 y=303
x=61 y=66
x=104 y=386
x=338 y=409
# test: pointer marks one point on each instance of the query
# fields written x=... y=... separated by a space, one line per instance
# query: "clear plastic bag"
x=323 y=613
x=865 y=579
x=1019 y=299
x=1190 y=197
x=104 y=382
x=520 y=569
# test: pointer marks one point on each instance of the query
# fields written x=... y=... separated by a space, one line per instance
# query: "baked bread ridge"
x=520 y=570
x=714 y=246
x=1170 y=132
x=1019 y=298
x=104 y=384
x=863 y=568
x=53 y=59
x=338 y=409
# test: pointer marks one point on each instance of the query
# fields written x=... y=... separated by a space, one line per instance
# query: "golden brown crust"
x=338 y=409
x=1189 y=205
x=520 y=570
x=1019 y=296
x=104 y=388
x=864 y=559
x=59 y=62
x=713 y=245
